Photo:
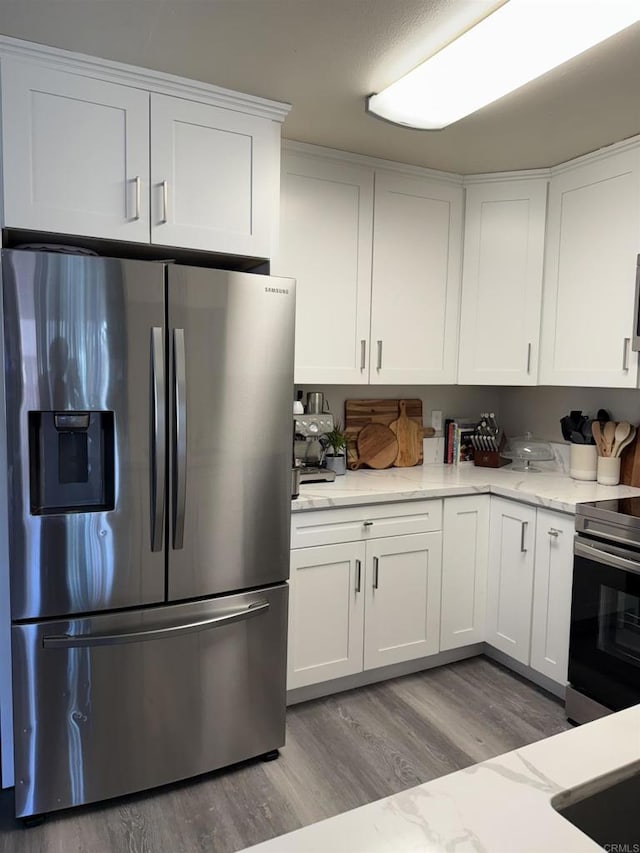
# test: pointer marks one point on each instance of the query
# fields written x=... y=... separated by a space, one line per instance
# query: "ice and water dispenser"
x=71 y=461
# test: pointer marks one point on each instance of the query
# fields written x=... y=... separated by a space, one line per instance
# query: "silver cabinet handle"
x=553 y=531
x=363 y=354
x=69 y=641
x=165 y=203
x=367 y=523
x=379 y=364
x=158 y=439
x=137 y=184
x=375 y=573
x=625 y=353
x=358 y=576
x=523 y=533
x=529 y=358
x=179 y=438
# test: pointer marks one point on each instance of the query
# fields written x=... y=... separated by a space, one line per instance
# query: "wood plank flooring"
x=342 y=752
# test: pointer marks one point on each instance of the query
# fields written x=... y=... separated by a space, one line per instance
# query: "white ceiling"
x=325 y=56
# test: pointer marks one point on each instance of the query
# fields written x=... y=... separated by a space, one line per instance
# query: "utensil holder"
x=489 y=459
x=583 y=461
x=608 y=470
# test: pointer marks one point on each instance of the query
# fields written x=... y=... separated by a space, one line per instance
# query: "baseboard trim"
x=372 y=676
x=525 y=671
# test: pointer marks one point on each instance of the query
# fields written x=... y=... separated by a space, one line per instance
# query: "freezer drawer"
x=117 y=703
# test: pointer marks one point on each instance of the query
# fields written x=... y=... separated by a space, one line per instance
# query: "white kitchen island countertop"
x=502 y=805
x=550 y=488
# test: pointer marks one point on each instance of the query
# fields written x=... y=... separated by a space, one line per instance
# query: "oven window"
x=619 y=624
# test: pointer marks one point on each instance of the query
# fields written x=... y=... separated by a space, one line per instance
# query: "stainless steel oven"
x=604 y=651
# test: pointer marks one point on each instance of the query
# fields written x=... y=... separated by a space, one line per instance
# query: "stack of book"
x=457 y=439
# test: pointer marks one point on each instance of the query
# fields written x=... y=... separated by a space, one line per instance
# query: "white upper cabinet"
x=325 y=244
x=417 y=243
x=97 y=158
x=593 y=238
x=502 y=282
x=75 y=154
x=212 y=177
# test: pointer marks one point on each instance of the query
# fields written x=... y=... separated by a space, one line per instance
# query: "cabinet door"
x=502 y=283
x=510 y=579
x=75 y=154
x=417 y=244
x=402 y=598
x=592 y=244
x=326 y=213
x=214 y=178
x=552 y=594
x=326 y=611
x=465 y=555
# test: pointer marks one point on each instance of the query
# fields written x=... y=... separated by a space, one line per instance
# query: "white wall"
x=449 y=399
x=539 y=410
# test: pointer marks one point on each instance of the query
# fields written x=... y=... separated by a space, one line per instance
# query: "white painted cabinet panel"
x=75 y=154
x=326 y=613
x=502 y=283
x=417 y=244
x=465 y=552
x=552 y=594
x=212 y=177
x=510 y=577
x=402 y=620
x=325 y=244
x=593 y=237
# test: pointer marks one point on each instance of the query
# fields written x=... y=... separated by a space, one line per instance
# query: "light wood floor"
x=342 y=752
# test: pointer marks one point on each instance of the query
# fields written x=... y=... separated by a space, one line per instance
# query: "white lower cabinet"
x=326 y=613
x=510 y=581
x=402 y=609
x=465 y=553
x=366 y=603
x=552 y=594
x=529 y=586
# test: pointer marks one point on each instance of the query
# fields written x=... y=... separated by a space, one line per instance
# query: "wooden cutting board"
x=359 y=413
x=630 y=462
x=377 y=447
x=409 y=436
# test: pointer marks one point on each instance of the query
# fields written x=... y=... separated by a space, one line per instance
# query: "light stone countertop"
x=551 y=488
x=502 y=805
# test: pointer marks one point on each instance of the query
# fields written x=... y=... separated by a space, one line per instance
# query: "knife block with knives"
x=384 y=433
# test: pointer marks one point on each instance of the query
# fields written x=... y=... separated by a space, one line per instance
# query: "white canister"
x=583 y=462
x=609 y=470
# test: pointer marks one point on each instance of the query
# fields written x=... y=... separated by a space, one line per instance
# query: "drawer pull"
x=367 y=523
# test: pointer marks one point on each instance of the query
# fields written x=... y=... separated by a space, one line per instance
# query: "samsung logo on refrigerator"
x=284 y=290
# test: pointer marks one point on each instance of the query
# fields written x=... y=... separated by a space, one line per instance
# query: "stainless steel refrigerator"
x=148 y=430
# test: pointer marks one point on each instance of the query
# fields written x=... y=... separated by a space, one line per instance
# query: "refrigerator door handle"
x=69 y=641
x=158 y=439
x=179 y=438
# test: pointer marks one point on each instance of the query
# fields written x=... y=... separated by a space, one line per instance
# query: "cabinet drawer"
x=325 y=527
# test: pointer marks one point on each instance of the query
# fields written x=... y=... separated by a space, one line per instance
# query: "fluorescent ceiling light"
x=520 y=41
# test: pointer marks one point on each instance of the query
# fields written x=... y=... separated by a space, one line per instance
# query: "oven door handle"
x=608 y=558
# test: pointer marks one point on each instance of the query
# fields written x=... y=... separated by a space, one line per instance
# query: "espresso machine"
x=309 y=443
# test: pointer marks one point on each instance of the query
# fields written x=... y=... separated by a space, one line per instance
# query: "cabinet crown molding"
x=378 y=163
x=142 y=78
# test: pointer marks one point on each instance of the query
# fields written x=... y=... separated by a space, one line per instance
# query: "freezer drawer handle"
x=158 y=438
x=179 y=439
x=68 y=641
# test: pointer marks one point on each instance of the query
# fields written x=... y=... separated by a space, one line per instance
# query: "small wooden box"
x=489 y=459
